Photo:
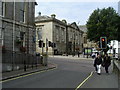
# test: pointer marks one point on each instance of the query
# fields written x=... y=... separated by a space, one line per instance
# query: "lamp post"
x=13 y=26
x=13 y=33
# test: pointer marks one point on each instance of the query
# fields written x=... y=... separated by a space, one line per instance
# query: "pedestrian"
x=73 y=54
x=97 y=64
x=106 y=62
x=93 y=55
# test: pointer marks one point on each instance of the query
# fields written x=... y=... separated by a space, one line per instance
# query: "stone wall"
x=14 y=24
x=116 y=69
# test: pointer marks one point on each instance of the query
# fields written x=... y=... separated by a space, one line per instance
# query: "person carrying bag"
x=106 y=62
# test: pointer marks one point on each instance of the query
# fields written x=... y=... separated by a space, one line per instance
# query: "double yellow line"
x=84 y=80
x=26 y=75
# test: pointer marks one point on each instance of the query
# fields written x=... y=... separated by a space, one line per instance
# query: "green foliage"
x=118 y=32
x=103 y=22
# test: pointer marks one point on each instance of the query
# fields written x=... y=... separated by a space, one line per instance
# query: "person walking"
x=106 y=62
x=78 y=53
x=93 y=55
x=97 y=64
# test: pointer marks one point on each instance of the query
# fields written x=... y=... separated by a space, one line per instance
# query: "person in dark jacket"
x=97 y=64
x=106 y=62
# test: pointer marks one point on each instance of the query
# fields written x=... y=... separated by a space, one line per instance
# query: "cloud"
x=72 y=11
x=77 y=0
x=60 y=0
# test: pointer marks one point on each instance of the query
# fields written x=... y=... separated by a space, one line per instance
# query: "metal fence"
x=15 y=61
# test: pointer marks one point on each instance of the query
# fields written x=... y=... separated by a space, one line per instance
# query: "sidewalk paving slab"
x=102 y=81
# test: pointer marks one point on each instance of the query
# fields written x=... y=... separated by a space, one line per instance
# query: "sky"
x=73 y=10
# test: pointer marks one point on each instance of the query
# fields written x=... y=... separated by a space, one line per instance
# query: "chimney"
x=53 y=15
x=39 y=13
x=64 y=21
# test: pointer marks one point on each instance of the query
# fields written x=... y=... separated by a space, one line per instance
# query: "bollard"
x=36 y=61
x=24 y=65
x=32 y=61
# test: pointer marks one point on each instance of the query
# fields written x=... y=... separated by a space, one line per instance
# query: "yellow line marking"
x=27 y=75
x=84 y=81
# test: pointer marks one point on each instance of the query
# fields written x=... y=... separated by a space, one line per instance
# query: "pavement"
x=103 y=81
x=72 y=57
x=17 y=73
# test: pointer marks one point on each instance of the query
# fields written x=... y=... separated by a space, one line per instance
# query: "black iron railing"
x=15 y=61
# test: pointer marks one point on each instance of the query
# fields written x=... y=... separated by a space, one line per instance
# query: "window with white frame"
x=73 y=35
x=62 y=34
x=70 y=35
x=22 y=11
x=39 y=32
x=79 y=39
x=76 y=38
x=57 y=28
x=22 y=38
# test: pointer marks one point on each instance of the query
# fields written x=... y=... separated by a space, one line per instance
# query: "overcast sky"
x=77 y=11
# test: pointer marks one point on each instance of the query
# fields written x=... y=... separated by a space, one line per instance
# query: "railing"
x=15 y=61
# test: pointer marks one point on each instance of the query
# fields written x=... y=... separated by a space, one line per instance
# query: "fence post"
x=32 y=60
x=36 y=61
x=25 y=63
x=13 y=60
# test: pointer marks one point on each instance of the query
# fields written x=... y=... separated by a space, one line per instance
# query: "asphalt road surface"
x=70 y=73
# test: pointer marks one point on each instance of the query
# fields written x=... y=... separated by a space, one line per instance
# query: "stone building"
x=66 y=38
x=18 y=26
x=74 y=38
x=86 y=42
x=52 y=30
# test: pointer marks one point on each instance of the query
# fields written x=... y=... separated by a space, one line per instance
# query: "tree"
x=103 y=23
x=118 y=31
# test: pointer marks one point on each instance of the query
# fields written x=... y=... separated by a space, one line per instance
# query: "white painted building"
x=115 y=48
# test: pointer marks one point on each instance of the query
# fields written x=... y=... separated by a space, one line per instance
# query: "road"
x=70 y=73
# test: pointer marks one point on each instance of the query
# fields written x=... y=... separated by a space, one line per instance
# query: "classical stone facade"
x=66 y=38
x=74 y=39
x=18 y=26
x=54 y=31
x=86 y=42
